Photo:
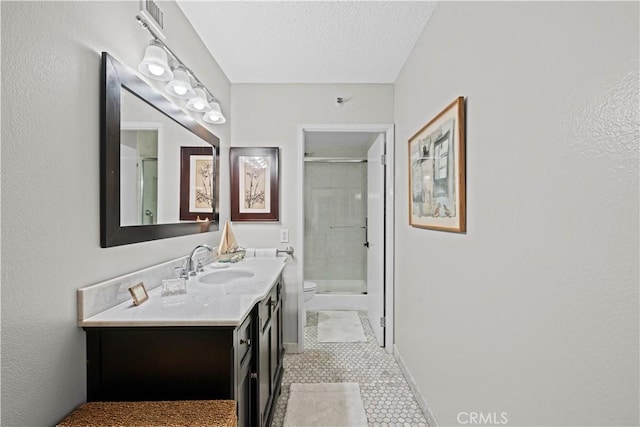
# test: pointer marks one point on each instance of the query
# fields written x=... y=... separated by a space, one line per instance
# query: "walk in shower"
x=335 y=227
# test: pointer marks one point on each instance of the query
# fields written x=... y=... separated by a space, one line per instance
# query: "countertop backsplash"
x=104 y=295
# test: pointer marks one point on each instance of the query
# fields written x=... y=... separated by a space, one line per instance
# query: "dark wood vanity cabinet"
x=193 y=362
x=270 y=354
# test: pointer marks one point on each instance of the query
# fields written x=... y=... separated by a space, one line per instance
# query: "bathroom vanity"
x=221 y=340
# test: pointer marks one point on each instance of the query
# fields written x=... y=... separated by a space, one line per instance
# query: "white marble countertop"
x=204 y=304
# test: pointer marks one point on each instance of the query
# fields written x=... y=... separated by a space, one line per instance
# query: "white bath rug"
x=325 y=404
x=340 y=326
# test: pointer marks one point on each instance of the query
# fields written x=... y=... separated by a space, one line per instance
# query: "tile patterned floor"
x=388 y=400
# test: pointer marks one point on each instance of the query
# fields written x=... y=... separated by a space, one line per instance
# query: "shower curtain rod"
x=335 y=160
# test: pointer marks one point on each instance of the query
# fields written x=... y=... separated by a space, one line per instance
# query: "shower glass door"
x=149 y=190
x=335 y=226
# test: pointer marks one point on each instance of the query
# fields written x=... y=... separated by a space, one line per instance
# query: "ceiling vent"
x=154 y=16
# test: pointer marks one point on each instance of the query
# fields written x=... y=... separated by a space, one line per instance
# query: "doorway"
x=346 y=208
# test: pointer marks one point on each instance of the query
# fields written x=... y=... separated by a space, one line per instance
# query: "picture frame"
x=197 y=186
x=254 y=183
x=437 y=172
x=138 y=293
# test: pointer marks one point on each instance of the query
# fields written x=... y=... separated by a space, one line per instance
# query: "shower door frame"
x=388 y=130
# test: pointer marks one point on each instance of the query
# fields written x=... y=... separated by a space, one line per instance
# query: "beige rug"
x=340 y=326
x=326 y=405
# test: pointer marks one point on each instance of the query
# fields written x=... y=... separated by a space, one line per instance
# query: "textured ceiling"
x=309 y=42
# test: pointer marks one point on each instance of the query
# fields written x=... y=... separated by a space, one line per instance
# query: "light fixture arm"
x=162 y=44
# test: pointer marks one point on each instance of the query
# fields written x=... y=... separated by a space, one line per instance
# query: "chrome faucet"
x=190 y=269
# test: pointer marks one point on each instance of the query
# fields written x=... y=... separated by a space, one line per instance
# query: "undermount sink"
x=220 y=277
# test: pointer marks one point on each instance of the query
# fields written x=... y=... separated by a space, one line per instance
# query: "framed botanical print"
x=254 y=184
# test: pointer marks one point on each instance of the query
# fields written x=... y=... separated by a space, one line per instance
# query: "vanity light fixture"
x=215 y=114
x=198 y=102
x=155 y=66
x=155 y=63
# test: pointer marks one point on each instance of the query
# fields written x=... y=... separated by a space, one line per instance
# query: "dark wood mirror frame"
x=114 y=77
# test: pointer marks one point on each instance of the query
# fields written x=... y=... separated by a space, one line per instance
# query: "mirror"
x=149 y=189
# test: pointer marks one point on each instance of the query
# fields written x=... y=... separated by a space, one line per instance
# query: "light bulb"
x=198 y=102
x=156 y=70
x=180 y=86
x=213 y=116
x=155 y=63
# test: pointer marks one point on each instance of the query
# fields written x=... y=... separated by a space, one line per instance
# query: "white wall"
x=50 y=188
x=269 y=116
x=534 y=311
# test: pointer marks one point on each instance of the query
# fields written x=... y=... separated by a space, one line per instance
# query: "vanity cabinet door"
x=264 y=377
x=269 y=353
x=276 y=337
x=244 y=360
x=245 y=392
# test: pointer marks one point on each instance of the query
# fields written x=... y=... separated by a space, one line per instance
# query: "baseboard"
x=422 y=402
x=291 y=347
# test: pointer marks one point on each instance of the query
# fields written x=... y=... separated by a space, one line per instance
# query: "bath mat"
x=325 y=404
x=340 y=326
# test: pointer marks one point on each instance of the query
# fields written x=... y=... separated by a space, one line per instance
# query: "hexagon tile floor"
x=387 y=398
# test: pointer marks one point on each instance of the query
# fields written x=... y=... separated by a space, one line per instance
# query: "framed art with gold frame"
x=437 y=172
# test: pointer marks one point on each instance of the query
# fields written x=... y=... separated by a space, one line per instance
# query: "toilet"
x=309 y=292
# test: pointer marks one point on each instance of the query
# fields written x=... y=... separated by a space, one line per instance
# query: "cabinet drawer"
x=244 y=338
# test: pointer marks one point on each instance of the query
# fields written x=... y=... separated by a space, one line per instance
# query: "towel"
x=265 y=252
x=268 y=252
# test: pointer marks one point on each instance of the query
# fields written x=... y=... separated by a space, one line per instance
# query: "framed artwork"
x=197 y=187
x=138 y=293
x=254 y=183
x=437 y=196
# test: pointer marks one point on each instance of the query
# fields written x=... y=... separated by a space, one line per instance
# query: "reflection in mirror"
x=197 y=191
x=142 y=137
x=139 y=173
x=147 y=135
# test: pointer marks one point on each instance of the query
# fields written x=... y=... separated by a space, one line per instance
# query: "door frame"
x=389 y=131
